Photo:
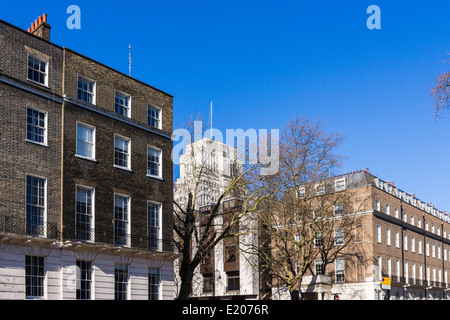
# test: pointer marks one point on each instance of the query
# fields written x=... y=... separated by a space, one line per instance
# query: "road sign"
x=386 y=283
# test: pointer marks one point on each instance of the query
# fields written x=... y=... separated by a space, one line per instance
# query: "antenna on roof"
x=211 y=119
x=210 y=115
x=129 y=60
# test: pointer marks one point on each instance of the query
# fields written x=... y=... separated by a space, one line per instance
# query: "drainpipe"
x=442 y=257
x=403 y=250
x=425 y=258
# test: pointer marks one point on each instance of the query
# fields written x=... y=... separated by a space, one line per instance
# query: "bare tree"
x=200 y=221
x=304 y=219
x=441 y=93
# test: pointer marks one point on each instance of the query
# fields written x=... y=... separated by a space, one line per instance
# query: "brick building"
x=86 y=180
x=395 y=236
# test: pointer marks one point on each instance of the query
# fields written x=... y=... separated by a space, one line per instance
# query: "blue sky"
x=265 y=62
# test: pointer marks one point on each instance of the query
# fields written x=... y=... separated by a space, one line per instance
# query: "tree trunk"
x=295 y=295
x=186 y=275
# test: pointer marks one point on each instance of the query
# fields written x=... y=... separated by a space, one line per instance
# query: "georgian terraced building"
x=86 y=176
x=396 y=236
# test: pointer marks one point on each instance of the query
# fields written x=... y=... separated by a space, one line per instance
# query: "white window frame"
x=388 y=236
x=127 y=97
x=337 y=262
x=127 y=291
x=159 y=176
x=92 y=227
x=29 y=55
x=319 y=263
x=159 y=280
x=320 y=189
x=159 y=119
x=44 y=280
x=377 y=205
x=91 y=281
x=159 y=226
x=339 y=185
x=338 y=209
x=94 y=89
x=78 y=123
x=318 y=241
x=128 y=220
x=128 y=154
x=378 y=233
x=44 y=218
x=45 y=135
x=397 y=239
x=338 y=237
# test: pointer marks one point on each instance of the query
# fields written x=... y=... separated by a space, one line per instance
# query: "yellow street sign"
x=386 y=283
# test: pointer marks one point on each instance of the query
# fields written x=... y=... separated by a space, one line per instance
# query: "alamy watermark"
x=74 y=20
x=255 y=151
x=374 y=21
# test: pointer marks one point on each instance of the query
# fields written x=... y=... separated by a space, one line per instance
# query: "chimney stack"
x=41 y=28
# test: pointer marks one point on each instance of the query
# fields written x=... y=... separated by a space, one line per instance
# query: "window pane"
x=120 y=281
x=121 y=207
x=154 y=280
x=35 y=206
x=84 y=227
x=121 y=154
x=122 y=104
x=34 y=276
x=154 y=162
x=84 y=279
x=154 y=117
x=85 y=141
x=154 y=212
x=35 y=126
x=85 y=90
x=37 y=69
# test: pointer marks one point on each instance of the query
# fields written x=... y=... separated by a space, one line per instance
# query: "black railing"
x=14 y=225
x=10 y=224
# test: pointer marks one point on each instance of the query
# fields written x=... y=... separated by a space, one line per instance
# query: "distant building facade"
x=86 y=181
x=228 y=272
x=397 y=237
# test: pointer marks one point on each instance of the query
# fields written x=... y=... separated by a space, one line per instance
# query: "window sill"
x=39 y=84
x=155 y=177
x=37 y=143
x=86 y=158
x=122 y=168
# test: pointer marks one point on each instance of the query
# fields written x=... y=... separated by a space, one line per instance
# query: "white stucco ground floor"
x=368 y=290
x=56 y=271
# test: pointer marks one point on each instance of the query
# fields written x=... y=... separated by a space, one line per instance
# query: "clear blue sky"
x=264 y=62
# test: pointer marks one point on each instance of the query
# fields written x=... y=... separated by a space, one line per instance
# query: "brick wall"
x=20 y=157
x=108 y=81
x=15 y=46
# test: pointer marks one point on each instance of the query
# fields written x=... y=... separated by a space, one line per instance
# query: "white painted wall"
x=60 y=266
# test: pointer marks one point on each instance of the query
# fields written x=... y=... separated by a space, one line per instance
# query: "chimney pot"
x=29 y=29
x=41 y=28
